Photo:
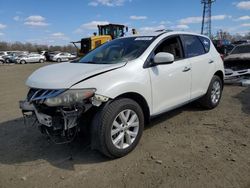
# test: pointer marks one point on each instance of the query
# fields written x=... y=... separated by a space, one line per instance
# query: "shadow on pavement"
x=23 y=145
x=244 y=98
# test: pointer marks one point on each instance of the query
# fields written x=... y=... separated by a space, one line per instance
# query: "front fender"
x=131 y=78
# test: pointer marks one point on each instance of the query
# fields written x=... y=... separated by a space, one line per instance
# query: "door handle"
x=210 y=62
x=186 y=69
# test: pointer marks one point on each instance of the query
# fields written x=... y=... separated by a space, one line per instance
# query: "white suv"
x=119 y=86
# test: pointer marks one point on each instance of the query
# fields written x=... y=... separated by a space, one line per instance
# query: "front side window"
x=172 y=46
x=192 y=46
x=117 y=51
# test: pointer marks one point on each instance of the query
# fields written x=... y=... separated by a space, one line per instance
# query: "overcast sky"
x=59 y=22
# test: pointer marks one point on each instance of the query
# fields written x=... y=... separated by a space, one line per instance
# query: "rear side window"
x=206 y=43
x=192 y=46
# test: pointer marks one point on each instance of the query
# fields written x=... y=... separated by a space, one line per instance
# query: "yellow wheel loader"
x=105 y=34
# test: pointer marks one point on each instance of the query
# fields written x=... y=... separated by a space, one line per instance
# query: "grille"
x=41 y=94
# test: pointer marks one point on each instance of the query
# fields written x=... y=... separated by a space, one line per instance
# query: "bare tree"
x=18 y=46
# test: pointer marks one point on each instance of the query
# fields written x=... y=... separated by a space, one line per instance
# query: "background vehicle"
x=117 y=87
x=224 y=47
x=2 y=61
x=237 y=63
x=105 y=33
x=30 y=58
x=10 y=58
x=4 y=53
x=63 y=56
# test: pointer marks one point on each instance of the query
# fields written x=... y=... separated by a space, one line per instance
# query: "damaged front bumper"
x=27 y=107
x=61 y=123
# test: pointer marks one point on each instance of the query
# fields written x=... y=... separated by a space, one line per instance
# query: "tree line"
x=30 y=47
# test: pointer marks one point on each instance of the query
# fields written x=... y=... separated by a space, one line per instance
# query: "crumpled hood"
x=64 y=75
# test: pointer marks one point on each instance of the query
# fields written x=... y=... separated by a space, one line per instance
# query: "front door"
x=171 y=83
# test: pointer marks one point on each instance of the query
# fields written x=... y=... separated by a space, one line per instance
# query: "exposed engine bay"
x=237 y=64
x=59 y=120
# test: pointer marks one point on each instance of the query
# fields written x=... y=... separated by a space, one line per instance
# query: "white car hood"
x=64 y=75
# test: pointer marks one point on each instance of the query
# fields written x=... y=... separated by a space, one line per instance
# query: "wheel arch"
x=221 y=75
x=141 y=101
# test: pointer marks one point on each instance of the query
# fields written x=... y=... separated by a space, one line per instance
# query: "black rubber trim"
x=98 y=74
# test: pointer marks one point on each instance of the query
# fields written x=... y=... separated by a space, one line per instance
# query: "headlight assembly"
x=70 y=97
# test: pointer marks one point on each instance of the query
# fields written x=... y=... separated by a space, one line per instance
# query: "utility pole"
x=206 y=18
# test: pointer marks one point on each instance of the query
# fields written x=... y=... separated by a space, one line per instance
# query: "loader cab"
x=114 y=30
x=105 y=33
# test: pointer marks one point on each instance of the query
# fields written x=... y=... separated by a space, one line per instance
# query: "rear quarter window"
x=192 y=46
x=206 y=43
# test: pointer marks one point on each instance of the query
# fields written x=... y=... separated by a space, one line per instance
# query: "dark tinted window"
x=206 y=43
x=172 y=46
x=192 y=46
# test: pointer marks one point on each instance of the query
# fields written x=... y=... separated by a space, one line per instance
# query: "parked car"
x=120 y=85
x=11 y=56
x=241 y=42
x=224 y=47
x=237 y=63
x=30 y=58
x=2 y=61
x=4 y=53
x=52 y=54
x=63 y=56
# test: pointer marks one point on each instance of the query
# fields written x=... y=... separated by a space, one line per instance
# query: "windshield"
x=241 y=49
x=116 y=51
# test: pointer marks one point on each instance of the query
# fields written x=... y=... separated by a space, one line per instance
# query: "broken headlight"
x=70 y=97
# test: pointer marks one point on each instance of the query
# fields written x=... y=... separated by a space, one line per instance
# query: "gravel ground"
x=188 y=147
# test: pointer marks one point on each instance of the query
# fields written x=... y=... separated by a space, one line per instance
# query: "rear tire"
x=41 y=61
x=58 y=60
x=213 y=95
x=117 y=128
x=1 y=62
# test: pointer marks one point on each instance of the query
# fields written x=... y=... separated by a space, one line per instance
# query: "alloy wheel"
x=216 y=92
x=125 y=129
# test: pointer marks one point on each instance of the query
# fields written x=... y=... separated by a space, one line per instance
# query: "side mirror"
x=163 y=58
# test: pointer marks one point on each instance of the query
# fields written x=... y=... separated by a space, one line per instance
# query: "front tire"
x=58 y=60
x=214 y=93
x=117 y=128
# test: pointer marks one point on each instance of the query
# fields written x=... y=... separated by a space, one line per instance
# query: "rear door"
x=35 y=58
x=196 y=50
x=171 y=83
